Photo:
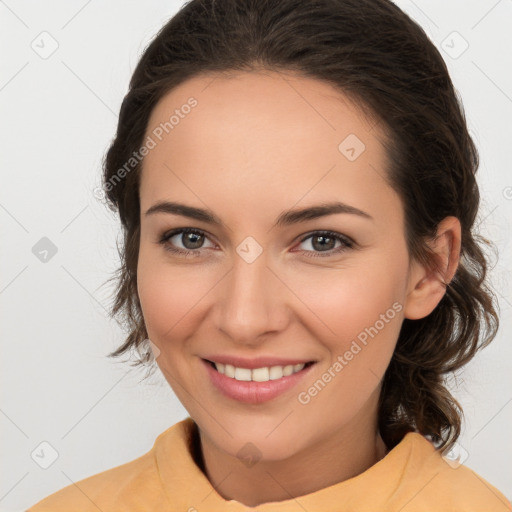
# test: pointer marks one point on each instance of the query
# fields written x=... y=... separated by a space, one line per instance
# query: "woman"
x=296 y=185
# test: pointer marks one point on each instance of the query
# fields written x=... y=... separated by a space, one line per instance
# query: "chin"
x=254 y=437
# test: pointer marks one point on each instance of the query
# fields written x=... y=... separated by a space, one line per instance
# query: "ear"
x=427 y=284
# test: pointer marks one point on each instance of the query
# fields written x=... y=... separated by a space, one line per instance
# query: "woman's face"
x=261 y=286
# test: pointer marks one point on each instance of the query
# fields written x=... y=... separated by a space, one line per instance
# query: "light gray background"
x=58 y=116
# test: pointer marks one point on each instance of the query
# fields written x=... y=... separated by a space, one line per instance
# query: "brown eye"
x=325 y=242
x=191 y=241
x=322 y=242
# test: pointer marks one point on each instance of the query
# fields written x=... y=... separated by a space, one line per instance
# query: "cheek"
x=167 y=295
x=360 y=312
x=343 y=303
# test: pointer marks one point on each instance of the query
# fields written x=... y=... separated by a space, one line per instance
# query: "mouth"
x=263 y=374
x=255 y=385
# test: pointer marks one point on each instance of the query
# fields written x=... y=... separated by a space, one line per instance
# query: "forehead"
x=272 y=136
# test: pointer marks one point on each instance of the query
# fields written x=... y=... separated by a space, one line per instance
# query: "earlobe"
x=427 y=284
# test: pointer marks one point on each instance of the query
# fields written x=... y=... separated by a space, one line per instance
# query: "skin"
x=255 y=145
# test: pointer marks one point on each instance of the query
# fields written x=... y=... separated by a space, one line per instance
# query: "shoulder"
x=118 y=488
x=439 y=480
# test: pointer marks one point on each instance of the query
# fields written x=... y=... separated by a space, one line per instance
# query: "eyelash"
x=347 y=243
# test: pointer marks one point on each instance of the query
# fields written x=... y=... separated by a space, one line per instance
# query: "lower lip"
x=251 y=392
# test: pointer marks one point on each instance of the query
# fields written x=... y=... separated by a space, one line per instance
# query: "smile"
x=255 y=385
x=263 y=374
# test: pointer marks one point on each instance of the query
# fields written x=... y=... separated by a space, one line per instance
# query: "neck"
x=344 y=454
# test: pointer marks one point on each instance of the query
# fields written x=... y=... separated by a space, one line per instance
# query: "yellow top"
x=413 y=476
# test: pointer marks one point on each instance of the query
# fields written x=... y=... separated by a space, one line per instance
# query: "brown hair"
x=374 y=53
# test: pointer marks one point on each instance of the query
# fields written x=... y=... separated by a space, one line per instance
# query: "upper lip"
x=256 y=362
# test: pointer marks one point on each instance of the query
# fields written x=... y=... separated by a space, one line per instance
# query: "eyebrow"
x=286 y=218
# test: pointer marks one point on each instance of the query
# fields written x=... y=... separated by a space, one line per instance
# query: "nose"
x=252 y=302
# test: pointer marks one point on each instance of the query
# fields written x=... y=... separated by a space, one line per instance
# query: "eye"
x=325 y=242
x=191 y=239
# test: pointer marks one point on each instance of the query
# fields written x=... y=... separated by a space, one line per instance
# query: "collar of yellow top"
x=396 y=480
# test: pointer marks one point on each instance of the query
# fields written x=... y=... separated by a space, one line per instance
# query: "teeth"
x=243 y=374
x=275 y=372
x=258 y=374
x=229 y=370
x=288 y=370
